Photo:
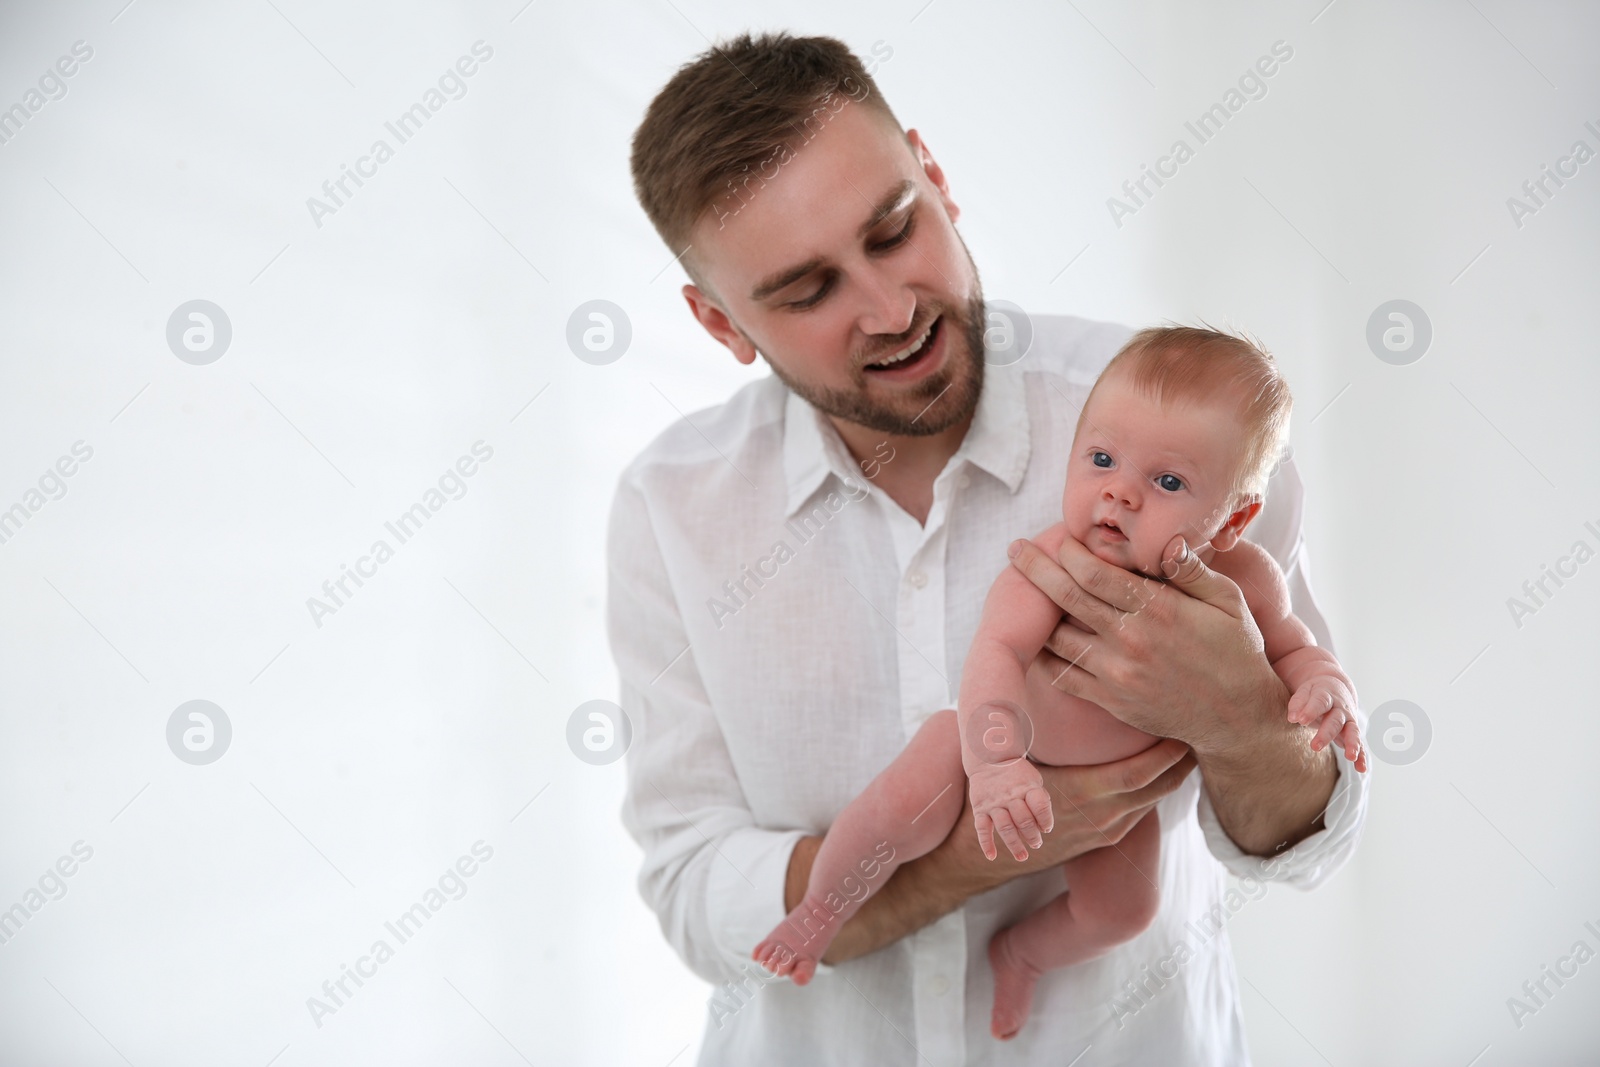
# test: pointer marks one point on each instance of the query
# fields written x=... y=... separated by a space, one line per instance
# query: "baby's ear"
x=1245 y=511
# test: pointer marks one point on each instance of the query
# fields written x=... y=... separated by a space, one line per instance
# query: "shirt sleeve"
x=1313 y=860
x=714 y=879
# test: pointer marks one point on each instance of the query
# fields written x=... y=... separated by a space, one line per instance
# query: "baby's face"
x=1141 y=472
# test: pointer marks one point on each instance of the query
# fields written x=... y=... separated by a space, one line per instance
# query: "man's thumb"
x=1182 y=567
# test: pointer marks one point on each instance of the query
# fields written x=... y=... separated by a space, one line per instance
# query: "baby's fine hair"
x=1175 y=363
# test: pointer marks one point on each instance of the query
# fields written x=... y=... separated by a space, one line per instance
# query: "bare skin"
x=870 y=210
x=1184 y=659
x=1096 y=806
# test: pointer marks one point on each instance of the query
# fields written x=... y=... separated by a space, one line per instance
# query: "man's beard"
x=937 y=403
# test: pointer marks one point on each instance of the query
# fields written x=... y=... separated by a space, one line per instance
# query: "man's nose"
x=889 y=307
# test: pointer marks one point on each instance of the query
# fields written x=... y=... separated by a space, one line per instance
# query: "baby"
x=1178 y=436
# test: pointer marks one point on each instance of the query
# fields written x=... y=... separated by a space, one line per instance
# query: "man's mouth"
x=913 y=355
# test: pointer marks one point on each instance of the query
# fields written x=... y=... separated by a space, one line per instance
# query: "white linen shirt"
x=781 y=628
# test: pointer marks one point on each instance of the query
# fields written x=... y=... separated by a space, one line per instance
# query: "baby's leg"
x=902 y=814
x=1112 y=898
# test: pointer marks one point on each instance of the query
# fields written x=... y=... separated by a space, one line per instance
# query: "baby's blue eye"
x=1101 y=459
x=1170 y=482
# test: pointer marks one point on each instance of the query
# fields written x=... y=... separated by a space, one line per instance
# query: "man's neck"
x=903 y=467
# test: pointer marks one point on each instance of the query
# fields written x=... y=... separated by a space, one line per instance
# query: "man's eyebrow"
x=887 y=205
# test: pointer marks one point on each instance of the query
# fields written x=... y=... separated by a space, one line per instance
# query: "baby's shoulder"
x=1258 y=576
x=1051 y=537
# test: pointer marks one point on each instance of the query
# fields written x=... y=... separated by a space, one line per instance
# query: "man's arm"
x=1095 y=806
x=711 y=874
x=1184 y=659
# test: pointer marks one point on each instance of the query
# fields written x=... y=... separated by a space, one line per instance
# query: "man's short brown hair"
x=728 y=120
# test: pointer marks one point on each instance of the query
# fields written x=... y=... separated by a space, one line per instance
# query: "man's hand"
x=1179 y=659
x=1185 y=659
x=1094 y=806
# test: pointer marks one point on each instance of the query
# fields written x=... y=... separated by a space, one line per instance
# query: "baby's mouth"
x=1110 y=530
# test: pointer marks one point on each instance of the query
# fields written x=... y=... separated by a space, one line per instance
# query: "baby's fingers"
x=1039 y=802
x=1308 y=703
x=985 y=834
x=1331 y=724
x=1022 y=818
x=1350 y=740
x=1008 y=833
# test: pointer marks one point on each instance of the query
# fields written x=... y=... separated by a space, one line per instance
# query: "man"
x=795 y=577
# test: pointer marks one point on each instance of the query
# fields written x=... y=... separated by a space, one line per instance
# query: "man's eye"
x=1170 y=482
x=898 y=238
x=1101 y=459
x=811 y=301
x=882 y=246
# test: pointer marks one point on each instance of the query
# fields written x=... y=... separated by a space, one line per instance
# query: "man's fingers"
x=1183 y=568
x=1166 y=782
x=1141 y=769
x=1072 y=676
x=1054 y=581
x=1119 y=590
x=1118 y=829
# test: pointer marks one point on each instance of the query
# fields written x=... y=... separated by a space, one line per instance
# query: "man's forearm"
x=1268 y=788
x=908 y=901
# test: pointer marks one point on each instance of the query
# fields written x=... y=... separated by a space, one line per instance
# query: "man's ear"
x=1246 y=511
x=935 y=173
x=718 y=325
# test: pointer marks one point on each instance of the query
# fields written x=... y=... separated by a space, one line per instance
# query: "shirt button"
x=939 y=986
x=917 y=578
x=964 y=481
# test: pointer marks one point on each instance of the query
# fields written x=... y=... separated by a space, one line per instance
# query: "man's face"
x=841 y=262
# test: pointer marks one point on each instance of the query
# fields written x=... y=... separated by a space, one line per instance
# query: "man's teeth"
x=906 y=352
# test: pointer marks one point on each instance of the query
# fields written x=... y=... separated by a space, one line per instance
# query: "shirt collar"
x=998 y=441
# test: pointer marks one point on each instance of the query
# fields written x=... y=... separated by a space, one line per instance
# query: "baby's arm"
x=1323 y=696
x=1008 y=793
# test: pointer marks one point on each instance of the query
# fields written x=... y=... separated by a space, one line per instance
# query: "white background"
x=370 y=752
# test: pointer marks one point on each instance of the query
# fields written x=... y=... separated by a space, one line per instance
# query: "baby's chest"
x=1069 y=731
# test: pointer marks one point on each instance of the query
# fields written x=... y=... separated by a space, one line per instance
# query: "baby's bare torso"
x=1069 y=731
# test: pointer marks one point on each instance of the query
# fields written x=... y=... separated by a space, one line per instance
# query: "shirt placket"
x=939 y=950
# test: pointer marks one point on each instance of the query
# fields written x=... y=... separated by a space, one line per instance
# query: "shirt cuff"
x=744 y=890
x=1309 y=862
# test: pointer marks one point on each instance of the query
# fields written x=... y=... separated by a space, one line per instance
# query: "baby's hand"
x=1010 y=798
x=1327 y=704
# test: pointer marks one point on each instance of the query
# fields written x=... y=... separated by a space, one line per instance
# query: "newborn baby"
x=1178 y=436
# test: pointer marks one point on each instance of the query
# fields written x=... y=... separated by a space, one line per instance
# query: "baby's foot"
x=778 y=956
x=1013 y=987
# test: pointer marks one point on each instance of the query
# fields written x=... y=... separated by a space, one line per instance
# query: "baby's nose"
x=1122 y=492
